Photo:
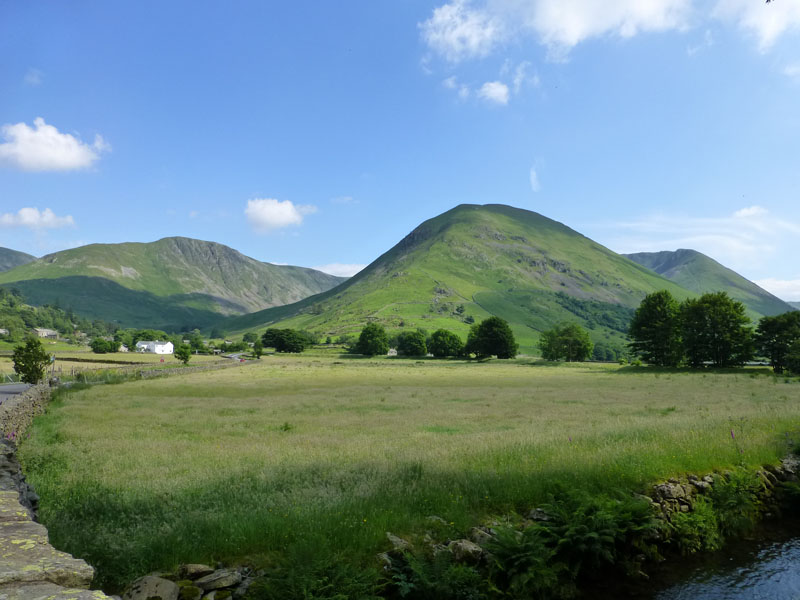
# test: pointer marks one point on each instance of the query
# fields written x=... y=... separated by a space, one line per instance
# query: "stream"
x=765 y=566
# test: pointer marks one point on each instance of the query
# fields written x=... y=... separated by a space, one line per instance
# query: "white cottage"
x=155 y=347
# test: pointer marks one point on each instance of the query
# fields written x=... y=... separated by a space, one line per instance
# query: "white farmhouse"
x=155 y=347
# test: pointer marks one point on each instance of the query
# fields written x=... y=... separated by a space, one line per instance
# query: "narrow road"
x=8 y=390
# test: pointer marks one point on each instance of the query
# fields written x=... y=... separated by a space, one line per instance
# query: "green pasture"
x=301 y=458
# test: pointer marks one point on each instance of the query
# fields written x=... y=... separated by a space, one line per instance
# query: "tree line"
x=714 y=330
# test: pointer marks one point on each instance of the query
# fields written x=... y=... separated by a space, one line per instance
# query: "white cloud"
x=563 y=24
x=450 y=83
x=456 y=31
x=33 y=218
x=767 y=22
x=461 y=30
x=785 y=289
x=43 y=148
x=266 y=214
x=534 y=179
x=494 y=91
x=340 y=269
x=33 y=77
x=750 y=211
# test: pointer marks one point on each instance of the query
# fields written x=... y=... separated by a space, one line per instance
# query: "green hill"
x=169 y=284
x=475 y=261
x=697 y=272
x=11 y=258
x=795 y=305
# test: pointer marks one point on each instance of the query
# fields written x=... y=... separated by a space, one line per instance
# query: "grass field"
x=69 y=360
x=314 y=457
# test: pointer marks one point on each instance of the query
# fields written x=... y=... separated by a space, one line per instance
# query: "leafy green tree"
x=566 y=341
x=775 y=336
x=373 y=340
x=258 y=348
x=285 y=340
x=445 y=343
x=655 y=330
x=715 y=329
x=793 y=358
x=492 y=337
x=250 y=337
x=30 y=361
x=412 y=343
x=101 y=346
x=183 y=353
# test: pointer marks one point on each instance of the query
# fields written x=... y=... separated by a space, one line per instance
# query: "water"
x=766 y=567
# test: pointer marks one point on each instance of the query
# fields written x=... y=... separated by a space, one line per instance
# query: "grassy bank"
x=301 y=460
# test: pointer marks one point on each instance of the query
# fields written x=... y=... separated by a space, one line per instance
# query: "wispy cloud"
x=785 y=289
x=708 y=41
x=44 y=148
x=340 y=269
x=267 y=214
x=533 y=177
x=344 y=200
x=33 y=218
x=748 y=239
x=33 y=77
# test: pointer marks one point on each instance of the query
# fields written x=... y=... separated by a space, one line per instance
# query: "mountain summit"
x=474 y=261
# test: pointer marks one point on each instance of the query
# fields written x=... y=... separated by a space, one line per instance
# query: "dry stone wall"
x=30 y=568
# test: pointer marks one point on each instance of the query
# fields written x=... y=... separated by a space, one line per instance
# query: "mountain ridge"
x=13 y=258
x=700 y=273
x=193 y=280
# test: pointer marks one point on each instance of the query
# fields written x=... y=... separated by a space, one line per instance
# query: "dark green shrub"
x=316 y=580
x=696 y=531
x=736 y=502
x=437 y=578
x=522 y=564
x=373 y=340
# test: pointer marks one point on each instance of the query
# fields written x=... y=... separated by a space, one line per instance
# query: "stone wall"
x=30 y=568
x=17 y=412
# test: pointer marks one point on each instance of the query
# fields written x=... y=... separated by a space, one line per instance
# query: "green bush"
x=30 y=361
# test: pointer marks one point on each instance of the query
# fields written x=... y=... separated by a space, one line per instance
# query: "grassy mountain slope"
x=697 y=272
x=474 y=261
x=794 y=305
x=172 y=282
x=11 y=258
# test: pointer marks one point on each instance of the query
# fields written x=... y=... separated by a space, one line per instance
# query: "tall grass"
x=301 y=456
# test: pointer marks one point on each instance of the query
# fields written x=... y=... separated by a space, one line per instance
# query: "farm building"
x=49 y=334
x=155 y=347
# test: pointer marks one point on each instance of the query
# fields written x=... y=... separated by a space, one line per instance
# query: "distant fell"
x=795 y=305
x=700 y=273
x=12 y=258
x=172 y=283
x=474 y=261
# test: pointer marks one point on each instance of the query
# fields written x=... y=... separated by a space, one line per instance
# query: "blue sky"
x=320 y=133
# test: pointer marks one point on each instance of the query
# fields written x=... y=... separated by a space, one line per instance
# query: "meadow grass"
x=306 y=456
x=80 y=361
